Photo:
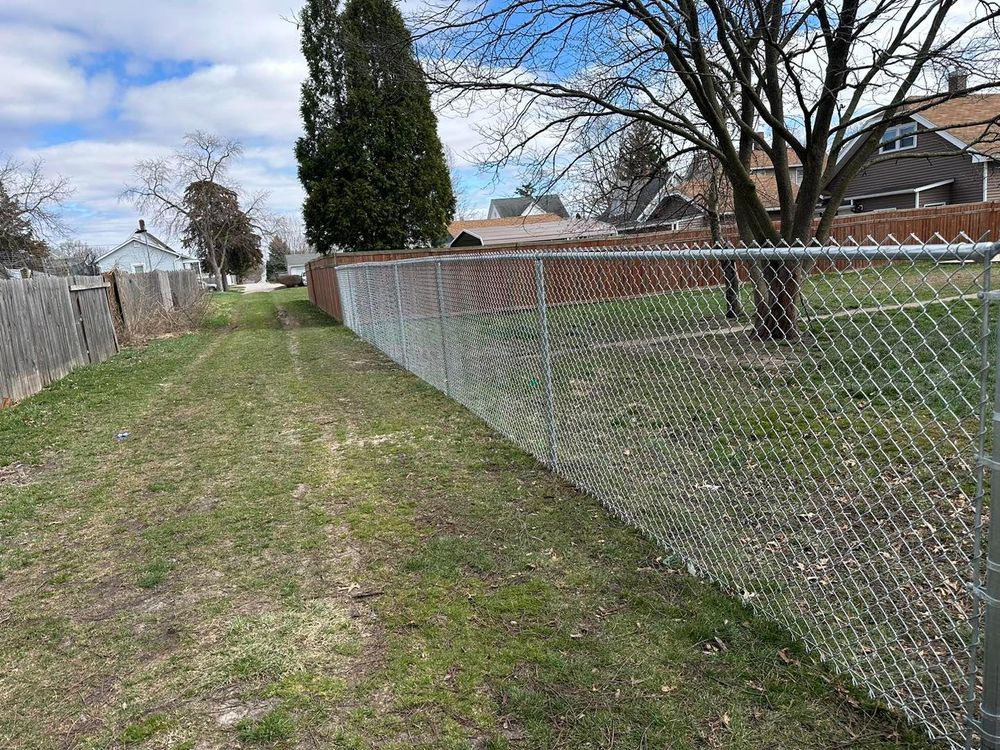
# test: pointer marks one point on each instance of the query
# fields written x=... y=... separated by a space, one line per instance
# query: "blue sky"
x=93 y=87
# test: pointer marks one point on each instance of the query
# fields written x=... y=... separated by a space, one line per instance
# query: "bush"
x=290 y=280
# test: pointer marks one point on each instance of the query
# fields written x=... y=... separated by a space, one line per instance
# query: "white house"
x=143 y=252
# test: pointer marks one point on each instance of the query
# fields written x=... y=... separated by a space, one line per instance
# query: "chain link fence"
x=830 y=480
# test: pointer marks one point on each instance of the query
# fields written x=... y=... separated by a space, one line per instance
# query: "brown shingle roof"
x=457 y=227
x=760 y=160
x=963 y=117
x=766 y=184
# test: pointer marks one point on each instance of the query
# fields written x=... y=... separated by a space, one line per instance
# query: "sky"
x=91 y=88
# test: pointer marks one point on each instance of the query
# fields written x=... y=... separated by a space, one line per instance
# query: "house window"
x=138 y=268
x=899 y=138
x=935 y=204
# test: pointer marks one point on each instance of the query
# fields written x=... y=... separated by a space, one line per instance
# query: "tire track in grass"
x=207 y=600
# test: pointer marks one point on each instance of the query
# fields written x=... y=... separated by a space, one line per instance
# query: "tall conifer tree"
x=370 y=161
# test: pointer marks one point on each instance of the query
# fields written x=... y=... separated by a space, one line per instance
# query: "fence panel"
x=148 y=304
x=833 y=481
x=47 y=330
x=89 y=297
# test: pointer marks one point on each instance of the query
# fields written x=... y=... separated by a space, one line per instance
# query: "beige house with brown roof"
x=941 y=154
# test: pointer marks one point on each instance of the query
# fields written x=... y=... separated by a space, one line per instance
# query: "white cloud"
x=215 y=30
x=258 y=99
x=79 y=68
x=40 y=85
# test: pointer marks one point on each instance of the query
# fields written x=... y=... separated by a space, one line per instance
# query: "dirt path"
x=299 y=545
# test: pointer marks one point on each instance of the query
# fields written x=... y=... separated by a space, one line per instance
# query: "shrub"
x=290 y=280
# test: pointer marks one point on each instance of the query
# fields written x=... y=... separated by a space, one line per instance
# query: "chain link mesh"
x=830 y=482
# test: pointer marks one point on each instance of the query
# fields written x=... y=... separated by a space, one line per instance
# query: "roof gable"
x=146 y=239
x=505 y=208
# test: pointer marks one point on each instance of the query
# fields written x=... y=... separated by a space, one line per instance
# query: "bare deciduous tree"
x=29 y=205
x=161 y=185
x=819 y=79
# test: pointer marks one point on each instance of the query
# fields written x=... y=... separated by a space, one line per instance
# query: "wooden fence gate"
x=89 y=297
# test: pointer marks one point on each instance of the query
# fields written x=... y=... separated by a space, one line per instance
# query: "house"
x=143 y=252
x=948 y=153
x=532 y=233
x=456 y=227
x=652 y=204
x=295 y=263
x=668 y=203
x=505 y=208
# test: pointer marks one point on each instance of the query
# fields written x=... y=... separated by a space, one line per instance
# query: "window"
x=899 y=138
x=935 y=204
x=138 y=268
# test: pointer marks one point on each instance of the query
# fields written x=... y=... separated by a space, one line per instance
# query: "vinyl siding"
x=939 y=194
x=912 y=172
x=992 y=182
x=150 y=257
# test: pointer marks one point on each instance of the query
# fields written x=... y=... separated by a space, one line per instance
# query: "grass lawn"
x=299 y=544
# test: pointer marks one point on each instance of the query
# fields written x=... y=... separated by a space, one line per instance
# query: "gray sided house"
x=142 y=252
x=295 y=263
x=942 y=159
x=651 y=204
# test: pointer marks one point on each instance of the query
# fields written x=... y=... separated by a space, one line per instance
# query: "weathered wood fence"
x=147 y=304
x=50 y=325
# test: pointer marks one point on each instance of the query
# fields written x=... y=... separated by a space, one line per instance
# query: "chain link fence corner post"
x=546 y=354
x=399 y=312
x=371 y=307
x=444 y=344
x=989 y=594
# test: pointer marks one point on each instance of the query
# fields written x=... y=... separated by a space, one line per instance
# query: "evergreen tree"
x=640 y=156
x=370 y=161
x=277 y=249
x=219 y=231
x=17 y=236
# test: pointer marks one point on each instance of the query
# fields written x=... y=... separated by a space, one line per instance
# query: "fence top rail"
x=958 y=251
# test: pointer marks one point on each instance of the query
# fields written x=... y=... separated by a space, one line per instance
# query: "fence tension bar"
x=546 y=352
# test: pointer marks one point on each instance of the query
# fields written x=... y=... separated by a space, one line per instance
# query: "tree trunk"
x=216 y=272
x=732 y=276
x=777 y=306
x=730 y=272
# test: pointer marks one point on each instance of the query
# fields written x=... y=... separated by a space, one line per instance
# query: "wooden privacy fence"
x=977 y=220
x=48 y=326
x=147 y=304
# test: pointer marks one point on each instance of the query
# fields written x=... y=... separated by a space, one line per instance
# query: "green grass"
x=302 y=545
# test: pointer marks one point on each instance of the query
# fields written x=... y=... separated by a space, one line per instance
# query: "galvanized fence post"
x=371 y=307
x=989 y=594
x=546 y=354
x=399 y=312
x=444 y=344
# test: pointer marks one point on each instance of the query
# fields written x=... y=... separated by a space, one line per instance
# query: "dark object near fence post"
x=546 y=352
x=444 y=345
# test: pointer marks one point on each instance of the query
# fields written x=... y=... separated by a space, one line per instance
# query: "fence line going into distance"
x=835 y=482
